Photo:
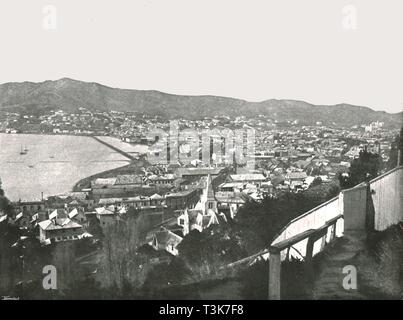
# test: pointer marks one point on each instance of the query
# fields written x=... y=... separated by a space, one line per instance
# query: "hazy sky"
x=250 y=49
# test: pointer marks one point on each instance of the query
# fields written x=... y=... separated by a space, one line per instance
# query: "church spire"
x=211 y=202
x=209 y=189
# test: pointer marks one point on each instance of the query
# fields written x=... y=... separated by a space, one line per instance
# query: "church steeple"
x=209 y=188
x=211 y=202
x=235 y=164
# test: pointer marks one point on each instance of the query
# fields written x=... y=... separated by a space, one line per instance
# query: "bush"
x=294 y=281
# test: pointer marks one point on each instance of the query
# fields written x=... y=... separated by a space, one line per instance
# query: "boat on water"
x=31 y=166
x=23 y=151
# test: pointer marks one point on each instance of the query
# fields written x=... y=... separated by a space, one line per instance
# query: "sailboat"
x=23 y=152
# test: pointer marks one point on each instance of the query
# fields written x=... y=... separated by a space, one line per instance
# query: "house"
x=102 y=183
x=182 y=199
x=115 y=186
x=156 y=200
x=105 y=216
x=60 y=230
x=144 y=201
x=3 y=218
x=128 y=181
x=58 y=213
x=170 y=223
x=77 y=203
x=297 y=176
x=30 y=207
x=138 y=202
x=155 y=257
x=252 y=178
x=277 y=179
x=78 y=216
x=197 y=173
x=231 y=187
x=167 y=179
x=296 y=185
x=21 y=220
x=230 y=202
x=267 y=187
x=165 y=240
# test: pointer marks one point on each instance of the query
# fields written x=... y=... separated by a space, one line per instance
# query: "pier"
x=127 y=155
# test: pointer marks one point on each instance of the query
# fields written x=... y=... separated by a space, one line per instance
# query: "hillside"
x=68 y=94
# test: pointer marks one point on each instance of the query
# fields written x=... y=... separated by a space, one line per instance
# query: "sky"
x=322 y=52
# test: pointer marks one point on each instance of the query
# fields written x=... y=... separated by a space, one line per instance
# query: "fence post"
x=370 y=210
x=274 y=274
x=355 y=208
x=333 y=231
x=309 y=256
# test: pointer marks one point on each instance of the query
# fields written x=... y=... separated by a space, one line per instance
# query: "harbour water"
x=52 y=164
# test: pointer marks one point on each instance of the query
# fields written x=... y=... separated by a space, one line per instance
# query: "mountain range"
x=69 y=95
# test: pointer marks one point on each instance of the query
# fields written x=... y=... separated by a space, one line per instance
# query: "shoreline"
x=132 y=168
x=129 y=165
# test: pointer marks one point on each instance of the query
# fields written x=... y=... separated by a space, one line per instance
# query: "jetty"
x=127 y=155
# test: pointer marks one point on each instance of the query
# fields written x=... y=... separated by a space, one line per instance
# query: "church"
x=204 y=214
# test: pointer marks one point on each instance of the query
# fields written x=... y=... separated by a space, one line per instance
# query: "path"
x=328 y=284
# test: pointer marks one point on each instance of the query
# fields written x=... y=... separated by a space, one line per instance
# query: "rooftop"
x=58 y=224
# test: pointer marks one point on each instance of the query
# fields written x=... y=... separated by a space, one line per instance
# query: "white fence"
x=387 y=199
x=313 y=219
x=387 y=207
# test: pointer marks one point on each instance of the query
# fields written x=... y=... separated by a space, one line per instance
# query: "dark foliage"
x=364 y=168
x=260 y=222
x=5 y=205
x=255 y=226
x=255 y=281
x=164 y=276
x=317 y=181
x=397 y=145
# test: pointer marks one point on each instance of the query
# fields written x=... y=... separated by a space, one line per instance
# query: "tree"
x=364 y=168
x=316 y=171
x=205 y=252
x=94 y=228
x=5 y=205
x=253 y=229
x=122 y=264
x=258 y=223
x=396 y=145
x=317 y=181
x=294 y=281
x=164 y=276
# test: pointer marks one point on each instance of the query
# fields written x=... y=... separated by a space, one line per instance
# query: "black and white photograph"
x=184 y=151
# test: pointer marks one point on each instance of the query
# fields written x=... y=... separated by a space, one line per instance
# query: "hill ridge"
x=70 y=94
